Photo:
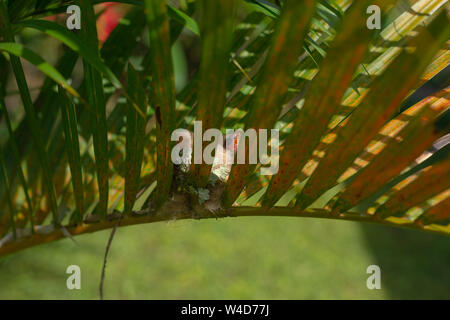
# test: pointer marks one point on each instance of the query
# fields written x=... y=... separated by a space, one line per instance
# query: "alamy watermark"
x=374 y=20
x=74 y=19
x=222 y=149
x=74 y=280
x=374 y=280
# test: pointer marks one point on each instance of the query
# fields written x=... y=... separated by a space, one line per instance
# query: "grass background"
x=241 y=258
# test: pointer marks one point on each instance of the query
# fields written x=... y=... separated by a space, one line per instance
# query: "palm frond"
x=360 y=140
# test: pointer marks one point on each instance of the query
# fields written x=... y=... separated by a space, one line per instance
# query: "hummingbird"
x=223 y=157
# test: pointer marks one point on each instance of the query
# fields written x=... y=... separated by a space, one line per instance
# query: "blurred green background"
x=237 y=258
x=242 y=258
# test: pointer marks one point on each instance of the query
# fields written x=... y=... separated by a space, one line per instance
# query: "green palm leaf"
x=359 y=141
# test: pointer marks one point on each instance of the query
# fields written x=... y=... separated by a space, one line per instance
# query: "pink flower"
x=108 y=20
